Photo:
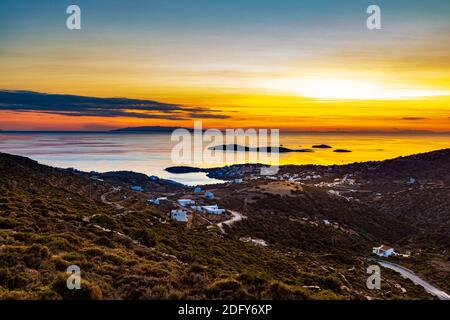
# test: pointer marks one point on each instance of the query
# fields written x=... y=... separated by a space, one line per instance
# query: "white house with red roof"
x=383 y=251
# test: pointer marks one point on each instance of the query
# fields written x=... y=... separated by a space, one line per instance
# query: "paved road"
x=103 y=198
x=235 y=218
x=414 y=278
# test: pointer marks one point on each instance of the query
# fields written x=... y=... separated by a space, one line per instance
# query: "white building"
x=256 y=242
x=209 y=209
x=157 y=201
x=185 y=202
x=259 y=242
x=383 y=251
x=213 y=209
x=179 y=215
x=209 y=195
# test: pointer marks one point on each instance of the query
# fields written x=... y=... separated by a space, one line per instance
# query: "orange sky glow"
x=336 y=76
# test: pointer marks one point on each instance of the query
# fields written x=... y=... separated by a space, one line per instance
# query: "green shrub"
x=34 y=256
x=6 y=223
x=227 y=289
x=88 y=290
x=281 y=291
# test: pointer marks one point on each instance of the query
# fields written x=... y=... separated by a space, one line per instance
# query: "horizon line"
x=165 y=129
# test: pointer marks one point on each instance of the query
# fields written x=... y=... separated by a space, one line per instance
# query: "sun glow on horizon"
x=347 y=89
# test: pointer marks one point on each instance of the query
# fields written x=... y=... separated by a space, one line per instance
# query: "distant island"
x=186 y=169
x=237 y=147
x=143 y=129
x=146 y=129
x=322 y=146
x=342 y=150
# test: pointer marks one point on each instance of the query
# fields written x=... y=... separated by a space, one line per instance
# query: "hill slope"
x=52 y=218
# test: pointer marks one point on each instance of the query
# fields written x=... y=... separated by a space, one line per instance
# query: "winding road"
x=105 y=201
x=236 y=216
x=414 y=278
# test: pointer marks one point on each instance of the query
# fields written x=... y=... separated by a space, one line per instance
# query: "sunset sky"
x=299 y=65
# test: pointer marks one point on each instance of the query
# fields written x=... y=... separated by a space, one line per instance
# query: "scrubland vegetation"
x=51 y=219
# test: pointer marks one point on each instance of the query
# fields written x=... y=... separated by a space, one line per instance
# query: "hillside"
x=403 y=202
x=52 y=218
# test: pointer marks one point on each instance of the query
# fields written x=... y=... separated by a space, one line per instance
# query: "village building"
x=185 y=202
x=197 y=190
x=209 y=209
x=255 y=242
x=178 y=215
x=209 y=195
x=259 y=242
x=157 y=201
x=383 y=251
x=213 y=209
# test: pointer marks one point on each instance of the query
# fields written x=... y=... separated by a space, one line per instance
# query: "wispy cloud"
x=82 y=106
x=413 y=118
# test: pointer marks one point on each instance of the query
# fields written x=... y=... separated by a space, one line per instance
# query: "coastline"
x=151 y=153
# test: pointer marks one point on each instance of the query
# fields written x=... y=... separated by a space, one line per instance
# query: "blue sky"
x=198 y=14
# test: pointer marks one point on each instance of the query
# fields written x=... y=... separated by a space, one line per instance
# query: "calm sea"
x=151 y=153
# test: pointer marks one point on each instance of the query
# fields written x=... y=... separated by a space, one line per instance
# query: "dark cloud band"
x=81 y=106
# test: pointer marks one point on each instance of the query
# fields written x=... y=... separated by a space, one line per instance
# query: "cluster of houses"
x=181 y=214
x=187 y=205
x=236 y=173
x=295 y=177
x=343 y=183
x=210 y=209
x=228 y=172
x=340 y=187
